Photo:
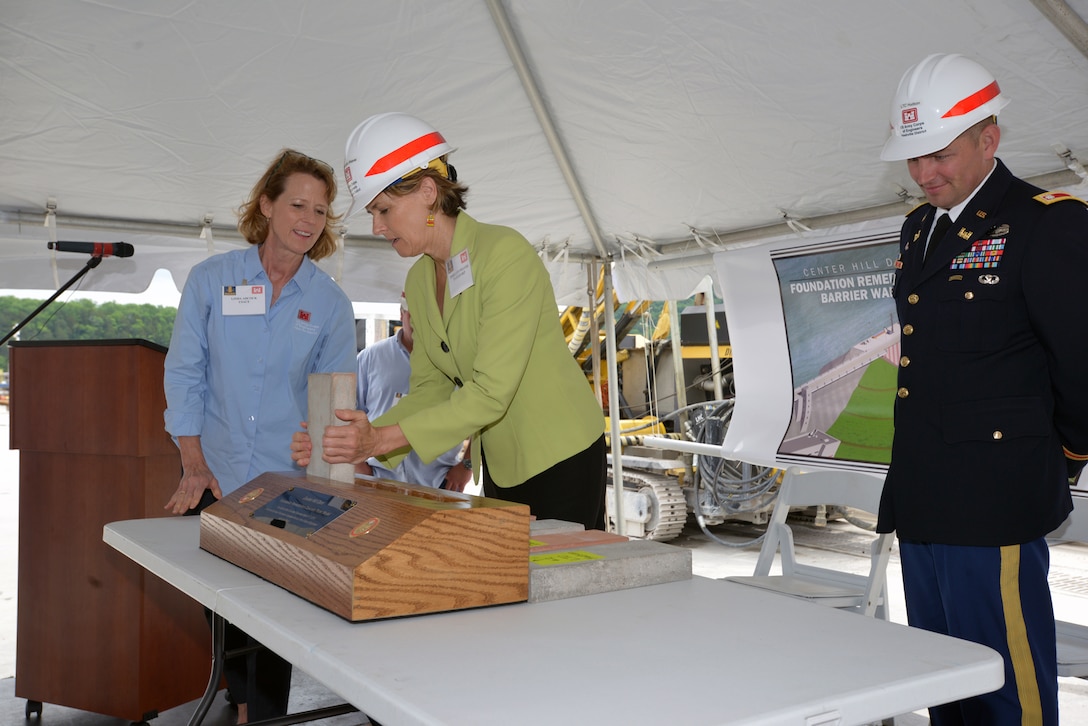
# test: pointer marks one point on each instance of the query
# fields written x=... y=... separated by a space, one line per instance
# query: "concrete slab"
x=594 y=568
x=551 y=526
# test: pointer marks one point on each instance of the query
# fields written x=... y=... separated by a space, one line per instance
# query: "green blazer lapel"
x=434 y=318
x=449 y=306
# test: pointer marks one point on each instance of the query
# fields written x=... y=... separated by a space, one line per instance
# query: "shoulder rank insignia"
x=1051 y=197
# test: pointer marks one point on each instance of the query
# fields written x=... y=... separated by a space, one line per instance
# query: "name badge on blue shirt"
x=243 y=299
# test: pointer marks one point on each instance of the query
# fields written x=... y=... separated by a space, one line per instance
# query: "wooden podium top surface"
x=87 y=343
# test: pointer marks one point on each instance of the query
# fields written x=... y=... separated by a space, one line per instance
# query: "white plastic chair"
x=865 y=594
x=1073 y=637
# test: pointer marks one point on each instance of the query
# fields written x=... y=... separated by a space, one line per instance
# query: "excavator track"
x=661 y=508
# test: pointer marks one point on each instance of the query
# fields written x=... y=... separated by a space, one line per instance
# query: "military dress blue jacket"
x=991 y=411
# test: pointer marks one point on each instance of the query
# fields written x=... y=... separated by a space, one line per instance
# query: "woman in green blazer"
x=490 y=360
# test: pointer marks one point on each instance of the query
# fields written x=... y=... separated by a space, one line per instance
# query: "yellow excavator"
x=660 y=394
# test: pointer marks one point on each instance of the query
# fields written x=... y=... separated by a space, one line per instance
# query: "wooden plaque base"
x=402 y=549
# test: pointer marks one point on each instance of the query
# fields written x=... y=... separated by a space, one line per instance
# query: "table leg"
x=218 y=653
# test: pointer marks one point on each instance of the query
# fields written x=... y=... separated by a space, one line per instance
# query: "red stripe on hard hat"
x=973 y=101
x=406 y=152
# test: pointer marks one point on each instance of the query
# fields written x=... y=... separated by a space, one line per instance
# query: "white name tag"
x=459 y=273
x=243 y=299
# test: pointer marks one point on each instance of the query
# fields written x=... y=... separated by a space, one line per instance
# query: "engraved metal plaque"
x=302 y=511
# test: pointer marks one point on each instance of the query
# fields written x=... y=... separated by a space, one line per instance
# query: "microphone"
x=98 y=249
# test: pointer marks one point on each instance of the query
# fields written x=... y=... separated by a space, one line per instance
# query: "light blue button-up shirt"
x=384 y=371
x=239 y=381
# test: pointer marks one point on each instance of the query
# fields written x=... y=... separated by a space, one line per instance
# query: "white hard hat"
x=385 y=148
x=937 y=100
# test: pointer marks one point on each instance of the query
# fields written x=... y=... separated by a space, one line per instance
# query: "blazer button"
x=904 y=362
x=998 y=435
x=902 y=392
x=968 y=295
x=912 y=299
x=908 y=329
x=457 y=382
x=445 y=348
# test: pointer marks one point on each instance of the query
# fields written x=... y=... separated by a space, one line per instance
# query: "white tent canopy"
x=645 y=130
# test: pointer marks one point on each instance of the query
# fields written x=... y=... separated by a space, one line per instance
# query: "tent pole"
x=677 y=359
x=532 y=90
x=712 y=340
x=594 y=331
x=614 y=403
x=1065 y=19
x=681 y=385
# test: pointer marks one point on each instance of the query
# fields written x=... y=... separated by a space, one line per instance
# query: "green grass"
x=865 y=426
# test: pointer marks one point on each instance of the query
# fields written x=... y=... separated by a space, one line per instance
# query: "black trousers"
x=572 y=490
x=259 y=679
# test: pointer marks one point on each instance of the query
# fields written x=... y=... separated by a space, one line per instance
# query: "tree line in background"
x=85 y=320
x=88 y=320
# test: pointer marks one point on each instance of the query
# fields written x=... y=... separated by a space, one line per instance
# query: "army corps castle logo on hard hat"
x=938 y=100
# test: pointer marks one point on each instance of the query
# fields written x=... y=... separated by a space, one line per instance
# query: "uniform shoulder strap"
x=915 y=208
x=1052 y=197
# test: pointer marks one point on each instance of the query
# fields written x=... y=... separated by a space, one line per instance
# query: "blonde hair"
x=254 y=225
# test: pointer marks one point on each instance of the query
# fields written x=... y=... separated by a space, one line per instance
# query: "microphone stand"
x=91 y=264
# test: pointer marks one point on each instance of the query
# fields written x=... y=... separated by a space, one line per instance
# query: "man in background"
x=384 y=371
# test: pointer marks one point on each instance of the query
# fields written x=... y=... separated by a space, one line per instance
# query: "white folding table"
x=698 y=651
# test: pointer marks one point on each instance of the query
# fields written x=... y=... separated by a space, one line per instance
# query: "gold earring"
x=430 y=220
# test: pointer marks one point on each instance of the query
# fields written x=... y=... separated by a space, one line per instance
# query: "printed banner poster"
x=843 y=339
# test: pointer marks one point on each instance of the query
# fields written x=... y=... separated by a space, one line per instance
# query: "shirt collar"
x=251 y=266
x=254 y=270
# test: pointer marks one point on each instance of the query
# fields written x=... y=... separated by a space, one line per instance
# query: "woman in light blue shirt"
x=252 y=325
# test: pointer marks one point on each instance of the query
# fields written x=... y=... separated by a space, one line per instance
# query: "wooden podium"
x=97 y=632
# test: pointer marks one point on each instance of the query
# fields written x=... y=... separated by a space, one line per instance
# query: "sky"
x=161 y=291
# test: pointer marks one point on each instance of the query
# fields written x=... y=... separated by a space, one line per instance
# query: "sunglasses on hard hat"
x=299 y=155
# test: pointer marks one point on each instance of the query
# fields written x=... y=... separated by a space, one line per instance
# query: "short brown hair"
x=976 y=129
x=254 y=225
x=451 y=193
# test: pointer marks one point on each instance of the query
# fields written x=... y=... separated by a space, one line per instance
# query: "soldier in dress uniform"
x=991 y=415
